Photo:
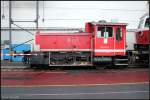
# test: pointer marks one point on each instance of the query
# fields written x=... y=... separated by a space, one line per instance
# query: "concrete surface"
x=129 y=91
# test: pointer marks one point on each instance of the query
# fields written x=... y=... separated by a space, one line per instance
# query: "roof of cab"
x=107 y=23
x=145 y=15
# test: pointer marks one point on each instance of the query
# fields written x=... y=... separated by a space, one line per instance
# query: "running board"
x=73 y=65
x=122 y=64
x=121 y=59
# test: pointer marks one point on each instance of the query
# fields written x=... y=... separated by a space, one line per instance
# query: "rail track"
x=27 y=68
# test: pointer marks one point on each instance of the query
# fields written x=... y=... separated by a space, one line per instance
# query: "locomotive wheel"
x=33 y=66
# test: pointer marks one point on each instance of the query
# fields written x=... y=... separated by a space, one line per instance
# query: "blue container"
x=20 y=48
x=6 y=51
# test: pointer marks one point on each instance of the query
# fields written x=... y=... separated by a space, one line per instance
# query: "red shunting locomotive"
x=101 y=43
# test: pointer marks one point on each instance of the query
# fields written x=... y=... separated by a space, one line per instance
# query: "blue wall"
x=17 y=49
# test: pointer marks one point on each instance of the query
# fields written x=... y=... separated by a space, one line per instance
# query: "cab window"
x=102 y=30
x=118 y=34
x=110 y=31
x=141 y=23
x=147 y=23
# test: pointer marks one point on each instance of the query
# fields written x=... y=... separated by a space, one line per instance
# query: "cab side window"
x=110 y=31
x=101 y=31
x=141 y=23
x=118 y=34
x=147 y=23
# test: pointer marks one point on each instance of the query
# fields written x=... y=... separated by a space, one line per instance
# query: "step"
x=122 y=64
x=121 y=59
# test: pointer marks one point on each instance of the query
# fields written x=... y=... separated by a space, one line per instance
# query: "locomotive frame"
x=101 y=43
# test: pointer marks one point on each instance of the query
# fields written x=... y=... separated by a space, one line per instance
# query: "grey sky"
x=76 y=13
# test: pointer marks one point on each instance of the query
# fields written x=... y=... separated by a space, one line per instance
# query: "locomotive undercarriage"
x=77 y=59
x=140 y=55
x=70 y=58
x=111 y=62
x=62 y=59
x=120 y=61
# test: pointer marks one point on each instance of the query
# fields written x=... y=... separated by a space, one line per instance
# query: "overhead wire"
x=3 y=15
x=43 y=11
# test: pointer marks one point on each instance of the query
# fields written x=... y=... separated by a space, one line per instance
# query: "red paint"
x=98 y=77
x=142 y=37
x=89 y=27
x=85 y=41
x=63 y=40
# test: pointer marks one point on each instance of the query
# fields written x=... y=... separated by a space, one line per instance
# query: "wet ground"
x=83 y=83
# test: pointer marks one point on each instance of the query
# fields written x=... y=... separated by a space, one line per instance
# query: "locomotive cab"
x=142 y=34
x=109 y=42
x=140 y=55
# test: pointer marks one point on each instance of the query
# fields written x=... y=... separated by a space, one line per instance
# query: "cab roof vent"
x=102 y=21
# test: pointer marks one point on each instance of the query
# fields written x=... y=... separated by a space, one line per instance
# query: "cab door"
x=120 y=40
x=104 y=41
